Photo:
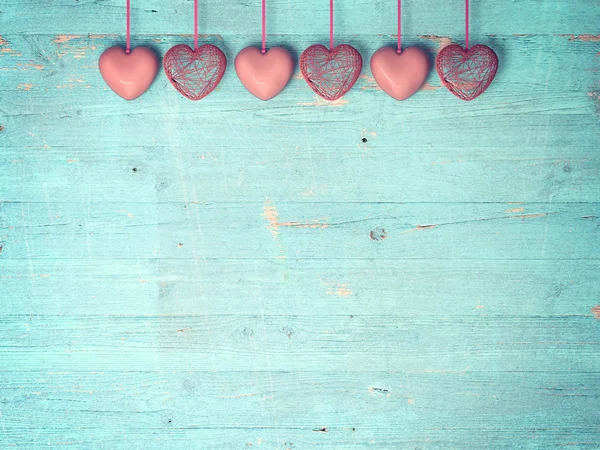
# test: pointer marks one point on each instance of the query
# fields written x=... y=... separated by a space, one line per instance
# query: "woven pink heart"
x=467 y=73
x=194 y=73
x=330 y=73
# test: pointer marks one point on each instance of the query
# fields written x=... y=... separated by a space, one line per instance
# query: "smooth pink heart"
x=330 y=73
x=195 y=73
x=264 y=74
x=467 y=73
x=400 y=75
x=128 y=74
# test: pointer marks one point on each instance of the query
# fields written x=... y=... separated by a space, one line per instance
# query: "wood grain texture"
x=233 y=274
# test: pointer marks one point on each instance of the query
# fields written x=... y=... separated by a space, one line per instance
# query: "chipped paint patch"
x=430 y=87
x=514 y=210
x=319 y=101
x=313 y=224
x=420 y=228
x=272 y=216
x=102 y=36
x=25 y=86
x=528 y=216
x=581 y=37
x=5 y=48
x=65 y=37
x=442 y=41
x=370 y=83
x=596 y=311
x=341 y=290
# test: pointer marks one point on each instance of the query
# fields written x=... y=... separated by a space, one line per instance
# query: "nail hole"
x=364 y=140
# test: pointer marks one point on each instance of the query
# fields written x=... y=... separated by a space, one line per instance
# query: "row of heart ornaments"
x=331 y=73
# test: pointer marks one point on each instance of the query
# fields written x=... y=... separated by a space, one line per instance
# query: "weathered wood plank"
x=428 y=287
x=211 y=408
x=363 y=17
x=282 y=231
x=299 y=343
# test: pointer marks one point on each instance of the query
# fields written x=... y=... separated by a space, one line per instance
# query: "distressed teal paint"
x=233 y=274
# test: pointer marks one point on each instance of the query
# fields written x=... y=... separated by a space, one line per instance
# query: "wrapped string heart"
x=330 y=72
x=467 y=72
x=195 y=73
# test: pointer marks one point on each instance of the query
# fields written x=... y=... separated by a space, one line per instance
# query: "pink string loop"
x=467 y=24
x=264 y=26
x=195 y=25
x=399 y=27
x=330 y=24
x=128 y=37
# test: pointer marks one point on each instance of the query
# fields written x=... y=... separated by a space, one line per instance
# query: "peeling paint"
x=581 y=37
x=596 y=311
x=25 y=86
x=341 y=290
x=65 y=37
x=514 y=210
x=442 y=41
x=272 y=216
x=529 y=216
x=314 y=224
x=319 y=101
x=6 y=49
x=429 y=87
x=370 y=83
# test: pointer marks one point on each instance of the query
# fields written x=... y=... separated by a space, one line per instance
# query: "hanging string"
x=128 y=38
x=399 y=27
x=330 y=24
x=195 y=25
x=264 y=26
x=467 y=24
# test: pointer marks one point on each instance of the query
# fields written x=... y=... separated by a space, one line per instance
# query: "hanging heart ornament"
x=467 y=73
x=400 y=75
x=264 y=74
x=128 y=74
x=195 y=73
x=330 y=73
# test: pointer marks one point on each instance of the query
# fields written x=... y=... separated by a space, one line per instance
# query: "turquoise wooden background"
x=233 y=274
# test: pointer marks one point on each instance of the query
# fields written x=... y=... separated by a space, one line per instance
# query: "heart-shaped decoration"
x=400 y=75
x=330 y=73
x=195 y=73
x=467 y=73
x=128 y=74
x=264 y=74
